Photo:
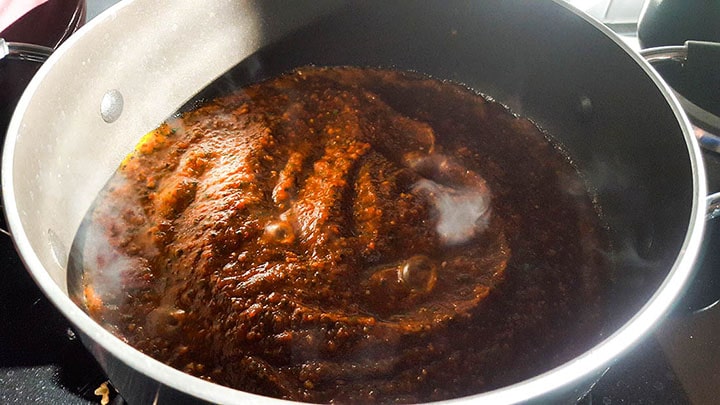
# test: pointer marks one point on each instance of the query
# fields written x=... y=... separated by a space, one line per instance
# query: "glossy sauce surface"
x=348 y=235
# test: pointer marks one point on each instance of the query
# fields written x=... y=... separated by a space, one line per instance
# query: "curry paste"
x=348 y=235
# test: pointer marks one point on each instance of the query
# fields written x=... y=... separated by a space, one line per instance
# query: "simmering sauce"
x=348 y=235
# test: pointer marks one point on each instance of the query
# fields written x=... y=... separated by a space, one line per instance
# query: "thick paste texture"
x=348 y=235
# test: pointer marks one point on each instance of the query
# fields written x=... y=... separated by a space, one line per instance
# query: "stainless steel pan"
x=575 y=78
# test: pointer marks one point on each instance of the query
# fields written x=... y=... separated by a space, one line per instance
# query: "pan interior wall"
x=545 y=63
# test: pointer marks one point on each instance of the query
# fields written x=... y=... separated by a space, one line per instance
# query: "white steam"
x=461 y=213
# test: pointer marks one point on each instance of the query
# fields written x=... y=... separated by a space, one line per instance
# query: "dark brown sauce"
x=349 y=235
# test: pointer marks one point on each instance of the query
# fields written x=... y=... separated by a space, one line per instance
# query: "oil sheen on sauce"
x=348 y=235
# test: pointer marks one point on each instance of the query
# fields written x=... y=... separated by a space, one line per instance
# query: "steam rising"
x=461 y=212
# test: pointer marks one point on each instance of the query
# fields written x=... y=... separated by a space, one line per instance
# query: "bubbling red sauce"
x=348 y=235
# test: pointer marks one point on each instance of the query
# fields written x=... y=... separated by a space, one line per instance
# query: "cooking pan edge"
x=568 y=381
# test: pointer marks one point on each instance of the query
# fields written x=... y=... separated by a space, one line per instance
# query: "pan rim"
x=583 y=366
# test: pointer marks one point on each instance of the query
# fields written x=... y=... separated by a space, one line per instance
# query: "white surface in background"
x=623 y=11
x=596 y=8
x=611 y=11
x=95 y=7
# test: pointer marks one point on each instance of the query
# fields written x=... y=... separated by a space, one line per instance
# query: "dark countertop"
x=42 y=361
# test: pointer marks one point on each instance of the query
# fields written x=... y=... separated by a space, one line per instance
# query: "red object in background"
x=11 y=10
x=48 y=24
